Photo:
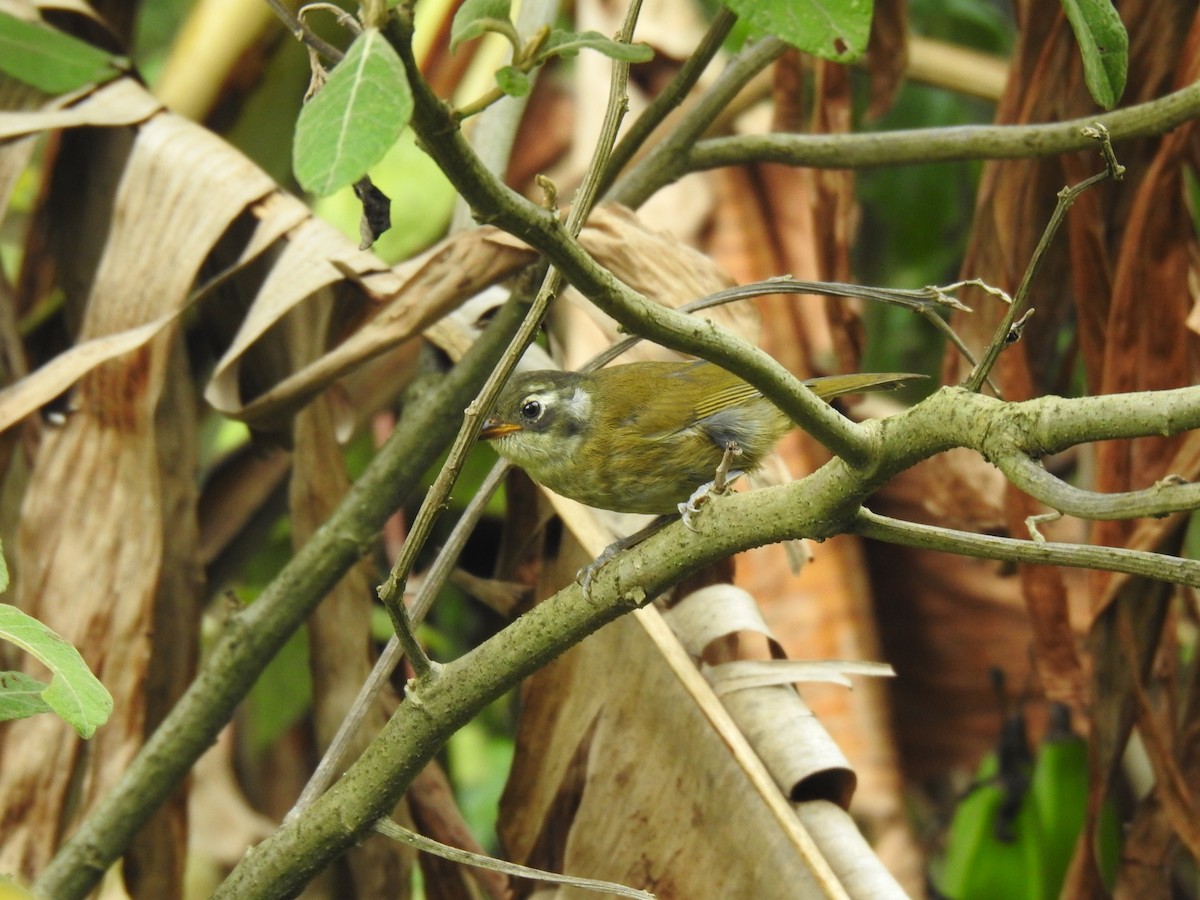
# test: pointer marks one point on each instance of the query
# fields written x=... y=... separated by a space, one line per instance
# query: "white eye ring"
x=532 y=409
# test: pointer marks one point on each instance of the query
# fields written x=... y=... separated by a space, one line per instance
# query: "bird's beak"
x=494 y=428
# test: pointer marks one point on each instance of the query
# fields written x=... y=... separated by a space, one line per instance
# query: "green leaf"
x=1104 y=46
x=21 y=696
x=355 y=118
x=50 y=60
x=830 y=29
x=977 y=862
x=477 y=17
x=569 y=43
x=74 y=692
x=3 y=571
x=513 y=81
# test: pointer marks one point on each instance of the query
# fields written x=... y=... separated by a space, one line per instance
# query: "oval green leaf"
x=1104 y=46
x=357 y=116
x=74 y=692
x=831 y=29
x=477 y=17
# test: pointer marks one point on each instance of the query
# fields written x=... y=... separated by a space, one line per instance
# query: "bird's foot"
x=585 y=575
x=724 y=476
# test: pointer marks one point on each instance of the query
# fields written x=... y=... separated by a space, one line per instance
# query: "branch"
x=985 y=546
x=1166 y=497
x=827 y=502
x=924 y=145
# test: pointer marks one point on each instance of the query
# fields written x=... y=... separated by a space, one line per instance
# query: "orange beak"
x=494 y=428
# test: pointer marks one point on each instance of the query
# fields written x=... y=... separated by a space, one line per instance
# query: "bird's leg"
x=588 y=572
x=724 y=476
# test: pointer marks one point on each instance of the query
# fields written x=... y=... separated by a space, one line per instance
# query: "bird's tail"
x=831 y=386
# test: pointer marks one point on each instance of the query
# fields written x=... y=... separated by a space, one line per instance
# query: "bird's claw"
x=700 y=495
x=693 y=504
x=585 y=575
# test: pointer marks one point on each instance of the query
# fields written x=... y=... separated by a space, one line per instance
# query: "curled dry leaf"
x=402 y=302
x=852 y=859
x=802 y=758
x=119 y=102
x=649 y=728
x=747 y=674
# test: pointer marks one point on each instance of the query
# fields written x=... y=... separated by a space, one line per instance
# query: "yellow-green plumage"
x=642 y=437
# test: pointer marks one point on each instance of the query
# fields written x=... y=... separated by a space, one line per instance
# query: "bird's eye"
x=531 y=410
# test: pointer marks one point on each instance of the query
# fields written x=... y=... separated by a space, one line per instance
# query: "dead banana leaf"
x=708 y=820
x=106 y=549
x=797 y=751
x=404 y=301
x=119 y=102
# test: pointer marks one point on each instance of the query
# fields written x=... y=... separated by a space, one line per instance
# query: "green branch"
x=827 y=502
x=985 y=546
x=919 y=145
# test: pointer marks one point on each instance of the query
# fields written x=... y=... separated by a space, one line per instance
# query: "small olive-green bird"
x=642 y=437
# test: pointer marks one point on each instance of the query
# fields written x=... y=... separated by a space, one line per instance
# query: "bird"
x=643 y=437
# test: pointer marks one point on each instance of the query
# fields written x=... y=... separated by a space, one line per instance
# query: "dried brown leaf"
x=634 y=734
x=405 y=300
x=120 y=102
x=887 y=54
x=137 y=547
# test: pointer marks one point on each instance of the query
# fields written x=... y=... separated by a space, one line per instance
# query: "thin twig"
x=984 y=546
x=304 y=34
x=435 y=579
x=1067 y=196
x=670 y=97
x=925 y=302
x=396 y=832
